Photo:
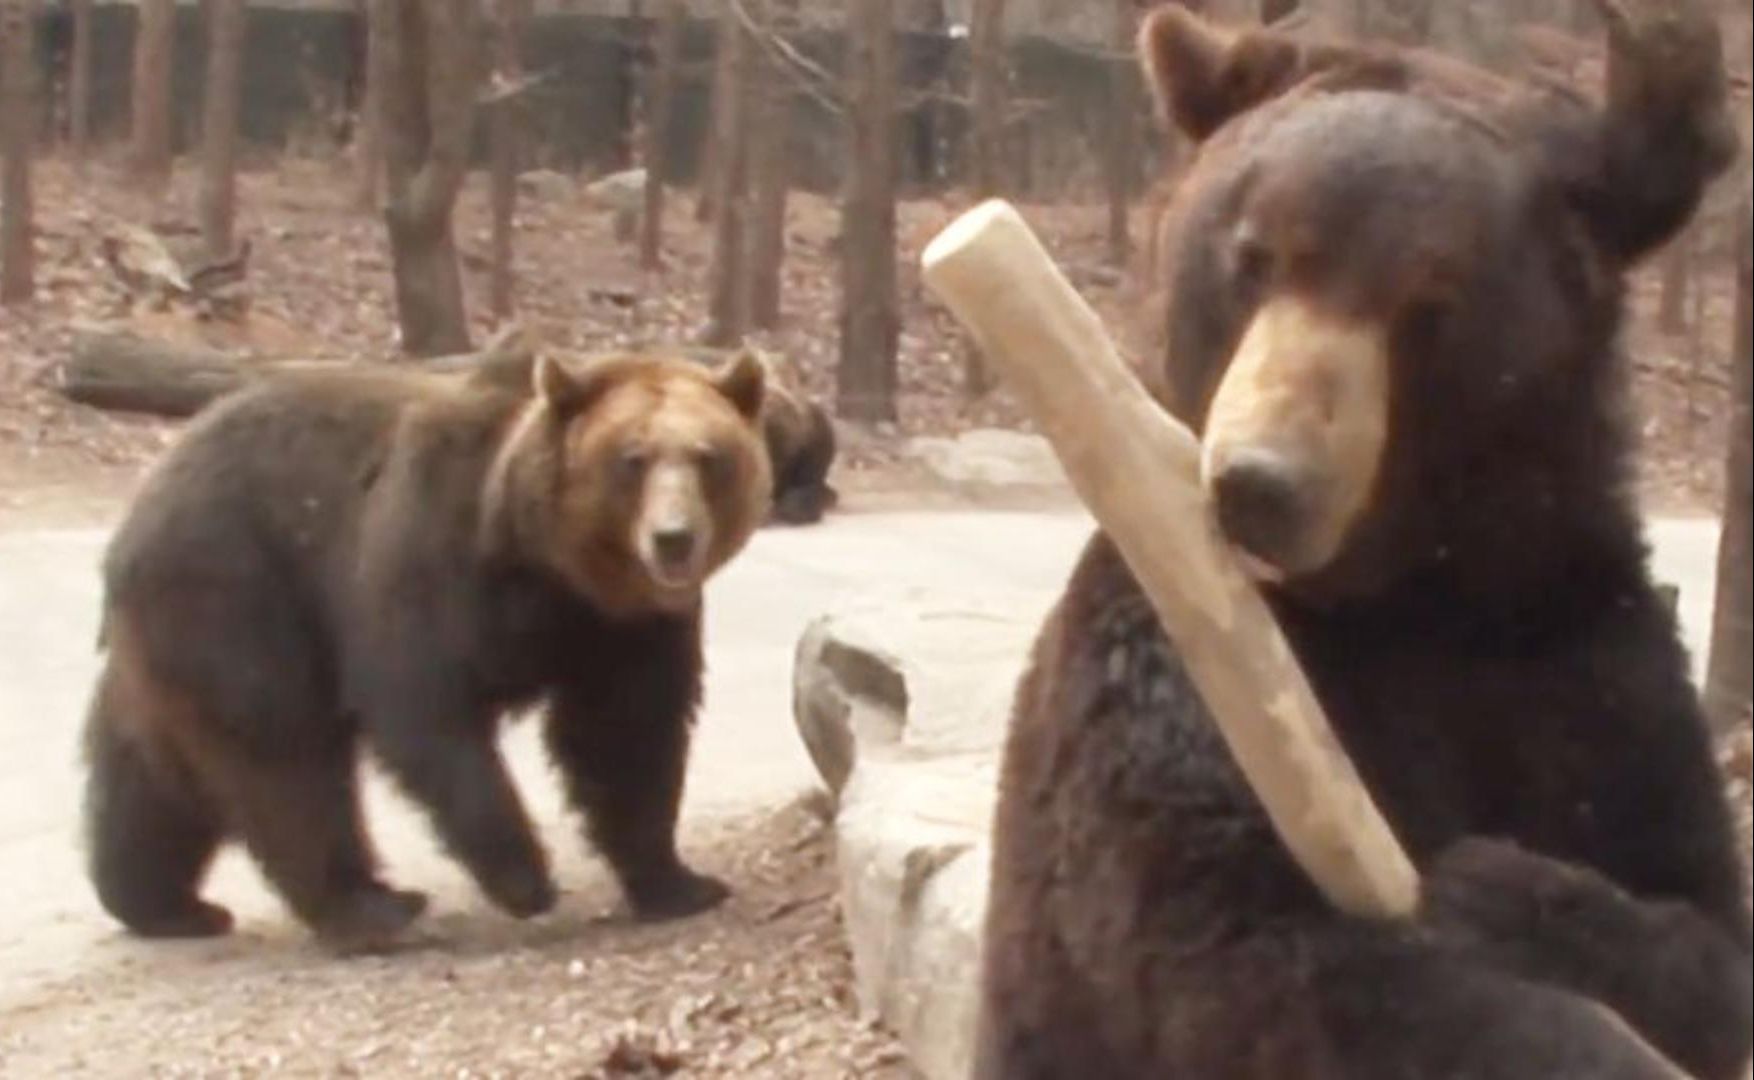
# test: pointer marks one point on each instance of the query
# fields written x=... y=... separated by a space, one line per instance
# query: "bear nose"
x=673 y=546
x=1260 y=496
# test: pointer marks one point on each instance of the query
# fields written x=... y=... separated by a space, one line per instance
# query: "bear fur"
x=1481 y=627
x=801 y=445
x=394 y=561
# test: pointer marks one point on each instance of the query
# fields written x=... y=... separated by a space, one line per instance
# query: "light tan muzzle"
x=1295 y=436
x=673 y=532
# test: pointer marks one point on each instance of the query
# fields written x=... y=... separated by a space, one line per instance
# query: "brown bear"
x=1396 y=287
x=800 y=444
x=333 y=563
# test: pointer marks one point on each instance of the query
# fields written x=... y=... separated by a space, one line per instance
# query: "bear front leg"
x=620 y=741
x=440 y=748
x=1674 y=975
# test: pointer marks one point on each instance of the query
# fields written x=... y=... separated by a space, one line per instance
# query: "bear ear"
x=743 y=381
x=1202 y=75
x=1667 y=130
x=565 y=392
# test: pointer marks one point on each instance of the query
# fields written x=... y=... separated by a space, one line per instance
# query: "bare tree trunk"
x=430 y=67
x=870 y=325
x=18 y=124
x=987 y=104
x=706 y=207
x=728 y=296
x=987 y=93
x=1271 y=11
x=507 y=116
x=219 y=125
x=1122 y=122
x=79 y=81
x=1676 y=263
x=368 y=132
x=154 y=48
x=1729 y=680
x=660 y=99
x=770 y=173
x=1408 y=22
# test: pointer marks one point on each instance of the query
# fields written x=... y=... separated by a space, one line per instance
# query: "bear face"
x=634 y=478
x=1390 y=278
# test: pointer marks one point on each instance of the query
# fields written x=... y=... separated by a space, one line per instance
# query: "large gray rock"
x=990 y=458
x=844 y=691
x=903 y=707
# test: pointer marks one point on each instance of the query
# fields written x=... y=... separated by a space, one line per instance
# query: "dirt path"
x=758 y=988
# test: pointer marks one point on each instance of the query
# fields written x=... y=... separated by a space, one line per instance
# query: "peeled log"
x=1137 y=469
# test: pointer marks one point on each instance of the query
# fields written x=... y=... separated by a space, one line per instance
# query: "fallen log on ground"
x=120 y=370
x=128 y=372
x=1137 y=469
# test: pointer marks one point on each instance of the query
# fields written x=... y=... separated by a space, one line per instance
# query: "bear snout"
x=1295 y=435
x=1262 y=503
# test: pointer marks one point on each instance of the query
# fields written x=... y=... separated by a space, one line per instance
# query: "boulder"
x=903 y=707
x=990 y=457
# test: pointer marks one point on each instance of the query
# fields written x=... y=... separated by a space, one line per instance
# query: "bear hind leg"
x=301 y=822
x=804 y=504
x=150 y=839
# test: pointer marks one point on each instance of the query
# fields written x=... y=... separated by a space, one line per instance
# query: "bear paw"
x=370 y=920
x=523 y=892
x=195 y=919
x=677 y=896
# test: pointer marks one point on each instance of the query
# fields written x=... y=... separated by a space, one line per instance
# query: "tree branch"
x=817 y=83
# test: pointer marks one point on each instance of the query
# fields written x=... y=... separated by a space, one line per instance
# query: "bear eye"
x=1251 y=262
x=629 y=466
x=715 y=463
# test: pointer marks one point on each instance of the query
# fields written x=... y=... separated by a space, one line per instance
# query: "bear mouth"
x=674 y=579
x=1258 y=570
x=674 y=584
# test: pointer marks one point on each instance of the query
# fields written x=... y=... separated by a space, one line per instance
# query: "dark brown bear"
x=333 y=563
x=1396 y=289
x=801 y=445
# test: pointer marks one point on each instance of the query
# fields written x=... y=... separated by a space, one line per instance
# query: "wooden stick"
x=1137 y=470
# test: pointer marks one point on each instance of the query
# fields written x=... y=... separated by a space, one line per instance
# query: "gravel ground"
x=759 y=988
